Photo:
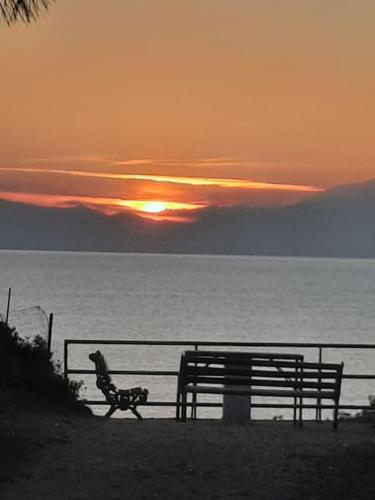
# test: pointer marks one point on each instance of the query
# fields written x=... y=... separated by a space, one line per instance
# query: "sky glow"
x=189 y=104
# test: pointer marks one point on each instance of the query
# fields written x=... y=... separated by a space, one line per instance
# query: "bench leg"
x=335 y=415
x=184 y=403
x=193 y=406
x=111 y=411
x=295 y=412
x=179 y=406
x=300 y=411
x=134 y=410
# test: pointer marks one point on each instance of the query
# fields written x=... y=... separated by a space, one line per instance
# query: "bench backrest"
x=275 y=370
x=103 y=379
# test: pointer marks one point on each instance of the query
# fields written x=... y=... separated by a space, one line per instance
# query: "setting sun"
x=154 y=207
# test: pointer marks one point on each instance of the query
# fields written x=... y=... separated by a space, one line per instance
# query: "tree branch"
x=26 y=11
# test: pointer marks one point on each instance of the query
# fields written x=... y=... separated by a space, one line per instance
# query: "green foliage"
x=26 y=367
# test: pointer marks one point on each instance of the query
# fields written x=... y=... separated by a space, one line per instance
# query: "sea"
x=113 y=296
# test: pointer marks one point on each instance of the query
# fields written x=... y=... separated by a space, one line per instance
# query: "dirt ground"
x=50 y=456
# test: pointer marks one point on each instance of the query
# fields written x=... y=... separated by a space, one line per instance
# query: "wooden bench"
x=118 y=399
x=257 y=374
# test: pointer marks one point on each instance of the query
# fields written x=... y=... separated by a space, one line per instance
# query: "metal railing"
x=198 y=345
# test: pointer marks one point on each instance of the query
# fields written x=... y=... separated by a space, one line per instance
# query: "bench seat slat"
x=261 y=392
x=259 y=362
x=246 y=381
x=240 y=355
x=238 y=361
x=275 y=372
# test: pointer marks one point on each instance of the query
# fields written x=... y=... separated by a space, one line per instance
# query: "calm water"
x=170 y=297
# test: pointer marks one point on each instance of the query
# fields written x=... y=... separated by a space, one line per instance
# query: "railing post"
x=194 y=396
x=8 y=306
x=49 y=341
x=318 y=414
x=66 y=359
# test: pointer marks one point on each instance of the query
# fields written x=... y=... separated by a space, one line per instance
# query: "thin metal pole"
x=8 y=306
x=319 y=401
x=50 y=325
x=66 y=360
x=194 y=395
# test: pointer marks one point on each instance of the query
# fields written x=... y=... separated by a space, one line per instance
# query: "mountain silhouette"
x=338 y=222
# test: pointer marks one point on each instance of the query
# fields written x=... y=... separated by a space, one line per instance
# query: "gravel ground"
x=76 y=457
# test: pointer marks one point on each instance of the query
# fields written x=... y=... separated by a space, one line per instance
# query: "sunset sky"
x=190 y=103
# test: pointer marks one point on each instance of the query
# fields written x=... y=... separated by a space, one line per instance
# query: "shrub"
x=26 y=367
x=364 y=415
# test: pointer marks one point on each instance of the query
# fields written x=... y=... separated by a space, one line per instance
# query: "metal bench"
x=257 y=374
x=118 y=399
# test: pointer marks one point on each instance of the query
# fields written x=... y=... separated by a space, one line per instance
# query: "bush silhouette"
x=26 y=367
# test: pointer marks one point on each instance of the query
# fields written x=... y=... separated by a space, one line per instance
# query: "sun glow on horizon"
x=157 y=206
x=145 y=193
x=154 y=207
x=151 y=209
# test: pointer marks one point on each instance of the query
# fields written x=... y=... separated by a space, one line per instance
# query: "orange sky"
x=192 y=102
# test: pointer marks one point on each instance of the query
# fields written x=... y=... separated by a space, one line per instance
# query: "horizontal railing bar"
x=134 y=342
x=253 y=405
x=124 y=372
x=324 y=345
x=175 y=373
x=312 y=406
x=149 y=403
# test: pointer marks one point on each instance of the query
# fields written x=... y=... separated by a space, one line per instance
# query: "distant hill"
x=29 y=227
x=337 y=223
